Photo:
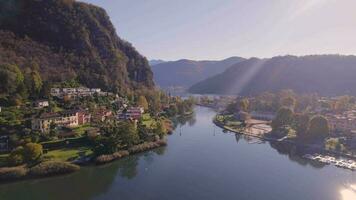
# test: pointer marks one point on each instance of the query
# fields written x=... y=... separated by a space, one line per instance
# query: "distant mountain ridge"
x=324 y=74
x=156 y=62
x=184 y=72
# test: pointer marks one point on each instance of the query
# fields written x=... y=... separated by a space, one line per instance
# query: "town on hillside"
x=80 y=125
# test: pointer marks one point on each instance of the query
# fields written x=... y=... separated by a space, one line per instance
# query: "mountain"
x=156 y=62
x=65 y=40
x=324 y=74
x=184 y=73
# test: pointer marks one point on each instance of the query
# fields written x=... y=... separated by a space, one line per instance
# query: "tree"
x=289 y=102
x=302 y=122
x=11 y=78
x=16 y=156
x=318 y=128
x=142 y=101
x=32 y=152
x=283 y=118
x=160 y=129
x=243 y=104
x=34 y=83
x=232 y=107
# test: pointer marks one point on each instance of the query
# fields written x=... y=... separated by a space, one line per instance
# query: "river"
x=200 y=162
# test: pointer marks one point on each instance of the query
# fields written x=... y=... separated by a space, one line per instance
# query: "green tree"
x=34 y=83
x=161 y=129
x=302 y=122
x=318 y=128
x=283 y=118
x=16 y=156
x=11 y=78
x=32 y=151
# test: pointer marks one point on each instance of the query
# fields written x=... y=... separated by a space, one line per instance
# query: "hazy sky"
x=216 y=29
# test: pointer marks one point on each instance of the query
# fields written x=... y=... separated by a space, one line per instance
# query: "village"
x=75 y=124
x=288 y=117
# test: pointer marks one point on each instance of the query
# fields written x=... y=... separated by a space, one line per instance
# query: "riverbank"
x=56 y=168
x=308 y=148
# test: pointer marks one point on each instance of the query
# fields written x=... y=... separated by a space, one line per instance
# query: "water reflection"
x=85 y=184
x=294 y=152
x=183 y=120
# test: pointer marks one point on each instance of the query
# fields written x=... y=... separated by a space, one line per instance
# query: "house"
x=84 y=117
x=44 y=121
x=242 y=116
x=132 y=113
x=269 y=116
x=67 y=119
x=77 y=92
x=41 y=103
x=345 y=122
x=102 y=114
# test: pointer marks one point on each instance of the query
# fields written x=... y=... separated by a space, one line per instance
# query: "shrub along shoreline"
x=54 y=168
x=146 y=146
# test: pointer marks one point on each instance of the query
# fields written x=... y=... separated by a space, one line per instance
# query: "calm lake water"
x=200 y=162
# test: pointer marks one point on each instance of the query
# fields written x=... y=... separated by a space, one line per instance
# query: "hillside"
x=67 y=40
x=185 y=73
x=324 y=74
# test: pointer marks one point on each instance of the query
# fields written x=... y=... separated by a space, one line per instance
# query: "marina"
x=342 y=163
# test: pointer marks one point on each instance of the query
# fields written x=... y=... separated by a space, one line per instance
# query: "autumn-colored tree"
x=289 y=102
x=142 y=101
x=243 y=104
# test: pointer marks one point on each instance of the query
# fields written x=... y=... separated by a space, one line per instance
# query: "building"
x=242 y=116
x=345 y=122
x=102 y=114
x=268 y=116
x=77 y=92
x=84 y=117
x=67 y=119
x=132 y=113
x=41 y=103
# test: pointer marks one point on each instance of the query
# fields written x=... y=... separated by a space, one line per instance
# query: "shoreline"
x=23 y=172
x=310 y=146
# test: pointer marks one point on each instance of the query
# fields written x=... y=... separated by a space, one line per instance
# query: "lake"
x=201 y=161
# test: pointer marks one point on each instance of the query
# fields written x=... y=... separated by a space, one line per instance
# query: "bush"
x=147 y=146
x=49 y=168
x=32 y=151
x=11 y=173
x=111 y=157
x=16 y=156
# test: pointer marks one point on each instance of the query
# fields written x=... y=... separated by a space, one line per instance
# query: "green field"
x=68 y=154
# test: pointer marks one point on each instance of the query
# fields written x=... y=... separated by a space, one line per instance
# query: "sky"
x=217 y=29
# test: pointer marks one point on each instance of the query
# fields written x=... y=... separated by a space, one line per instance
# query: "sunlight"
x=306 y=6
x=242 y=81
x=348 y=193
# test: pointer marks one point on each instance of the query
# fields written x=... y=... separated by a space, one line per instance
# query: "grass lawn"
x=80 y=130
x=68 y=153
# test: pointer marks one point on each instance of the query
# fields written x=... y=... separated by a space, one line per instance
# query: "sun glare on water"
x=348 y=193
